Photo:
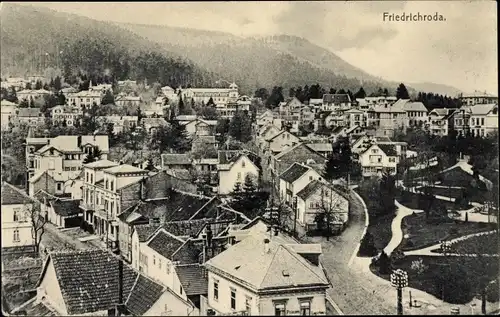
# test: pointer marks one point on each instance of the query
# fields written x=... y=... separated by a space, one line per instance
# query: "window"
x=113 y=231
x=216 y=290
x=51 y=164
x=279 y=309
x=154 y=260
x=17 y=214
x=243 y=163
x=310 y=178
x=59 y=186
x=91 y=178
x=305 y=307
x=482 y=121
x=159 y=263
x=239 y=176
x=16 y=236
x=392 y=159
x=248 y=304
x=111 y=185
x=32 y=163
x=180 y=290
x=106 y=184
x=168 y=268
x=233 y=298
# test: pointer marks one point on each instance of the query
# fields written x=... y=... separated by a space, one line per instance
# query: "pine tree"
x=210 y=102
x=402 y=92
x=150 y=166
x=108 y=98
x=93 y=156
x=361 y=94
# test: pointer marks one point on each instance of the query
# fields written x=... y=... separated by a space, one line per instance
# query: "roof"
x=165 y=244
x=154 y=122
x=320 y=147
x=313 y=186
x=440 y=111
x=66 y=207
x=144 y=294
x=144 y=232
x=29 y=112
x=415 y=106
x=388 y=149
x=193 y=279
x=231 y=156
x=280 y=267
x=186 y=227
x=101 y=164
x=69 y=143
x=14 y=196
x=336 y=98
x=175 y=159
x=96 y=289
x=294 y=172
x=477 y=94
x=123 y=169
x=482 y=109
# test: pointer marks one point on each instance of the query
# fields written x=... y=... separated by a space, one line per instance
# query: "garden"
x=420 y=202
x=487 y=243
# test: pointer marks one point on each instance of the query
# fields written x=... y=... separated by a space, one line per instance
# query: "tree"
x=93 y=156
x=180 y=106
x=276 y=97
x=240 y=126
x=331 y=209
x=261 y=93
x=339 y=163
x=361 y=94
x=32 y=214
x=384 y=263
x=108 y=98
x=150 y=166
x=178 y=138
x=209 y=113
x=210 y=102
x=38 y=85
x=57 y=83
x=367 y=245
x=387 y=187
x=248 y=198
x=402 y=92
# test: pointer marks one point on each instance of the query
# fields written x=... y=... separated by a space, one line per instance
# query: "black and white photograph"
x=239 y=158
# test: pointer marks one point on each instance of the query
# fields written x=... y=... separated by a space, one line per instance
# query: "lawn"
x=444 y=191
x=458 y=284
x=483 y=244
x=424 y=234
x=417 y=201
x=380 y=229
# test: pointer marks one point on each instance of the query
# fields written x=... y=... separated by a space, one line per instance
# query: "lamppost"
x=399 y=280
x=445 y=248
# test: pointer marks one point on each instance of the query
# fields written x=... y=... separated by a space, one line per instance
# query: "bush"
x=453 y=283
x=409 y=243
x=453 y=230
x=367 y=246
x=493 y=292
x=418 y=266
x=397 y=256
x=384 y=264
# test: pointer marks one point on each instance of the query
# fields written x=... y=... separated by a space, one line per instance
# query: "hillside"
x=36 y=38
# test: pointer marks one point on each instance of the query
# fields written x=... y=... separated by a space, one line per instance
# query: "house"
x=336 y=101
x=128 y=101
x=218 y=95
x=323 y=148
x=84 y=98
x=201 y=127
x=63 y=154
x=483 y=119
x=299 y=153
x=387 y=119
x=56 y=183
x=266 y=132
x=176 y=161
x=262 y=276
x=355 y=117
x=280 y=141
x=416 y=113
x=294 y=179
x=379 y=158
x=28 y=94
x=439 y=121
x=28 y=116
x=68 y=92
x=320 y=197
x=8 y=110
x=121 y=123
x=265 y=118
x=170 y=93
x=234 y=167
x=64 y=213
x=66 y=115
x=151 y=125
x=184 y=119
x=228 y=110
x=478 y=97
x=101 y=88
x=109 y=189
x=17 y=210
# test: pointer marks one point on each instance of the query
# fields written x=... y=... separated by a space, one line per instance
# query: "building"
x=229 y=109
x=379 y=158
x=234 y=167
x=278 y=142
x=170 y=93
x=416 y=113
x=483 y=119
x=265 y=118
x=323 y=148
x=294 y=179
x=152 y=125
x=176 y=161
x=333 y=102
x=355 y=117
x=66 y=115
x=8 y=113
x=84 y=98
x=387 y=119
x=28 y=116
x=121 y=124
x=28 y=94
x=439 y=121
x=201 y=127
x=320 y=197
x=266 y=132
x=17 y=212
x=478 y=97
x=128 y=101
x=108 y=190
x=218 y=95
x=262 y=276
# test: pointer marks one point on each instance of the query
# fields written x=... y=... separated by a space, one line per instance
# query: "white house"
x=234 y=167
x=278 y=142
x=67 y=114
x=439 y=121
x=84 y=98
x=320 y=197
x=483 y=119
x=17 y=209
x=416 y=113
x=262 y=276
x=294 y=179
x=8 y=110
x=378 y=158
x=201 y=127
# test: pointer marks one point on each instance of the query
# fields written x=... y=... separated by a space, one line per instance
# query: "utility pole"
x=295 y=216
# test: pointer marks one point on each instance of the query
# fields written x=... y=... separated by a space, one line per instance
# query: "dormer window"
x=51 y=151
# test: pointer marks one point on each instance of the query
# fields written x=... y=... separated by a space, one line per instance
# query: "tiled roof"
x=388 y=149
x=310 y=189
x=89 y=280
x=320 y=147
x=294 y=172
x=280 y=267
x=101 y=164
x=165 y=244
x=66 y=207
x=336 y=98
x=175 y=159
x=482 y=109
x=186 y=227
x=188 y=253
x=123 y=169
x=14 y=196
x=29 y=112
x=415 y=106
x=144 y=294
x=144 y=232
x=231 y=156
x=193 y=279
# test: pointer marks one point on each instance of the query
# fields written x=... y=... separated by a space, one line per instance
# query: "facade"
x=17 y=209
x=478 y=97
x=439 y=121
x=28 y=116
x=386 y=120
x=84 y=98
x=8 y=113
x=128 y=101
x=333 y=102
x=218 y=95
x=483 y=119
x=379 y=158
x=258 y=276
x=122 y=123
x=233 y=167
x=355 y=117
x=416 y=113
x=201 y=127
x=67 y=115
x=32 y=94
x=278 y=142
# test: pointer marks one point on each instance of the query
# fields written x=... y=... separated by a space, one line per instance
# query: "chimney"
x=266 y=245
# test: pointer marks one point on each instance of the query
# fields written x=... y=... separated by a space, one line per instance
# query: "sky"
x=460 y=52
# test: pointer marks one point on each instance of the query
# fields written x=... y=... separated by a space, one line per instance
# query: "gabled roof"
x=193 y=279
x=440 y=111
x=165 y=244
x=293 y=148
x=96 y=289
x=336 y=98
x=280 y=267
x=294 y=172
x=123 y=169
x=175 y=159
x=101 y=164
x=144 y=232
x=320 y=147
x=14 y=196
x=66 y=208
x=144 y=294
x=388 y=149
x=415 y=106
x=483 y=109
x=314 y=186
x=29 y=112
x=231 y=156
